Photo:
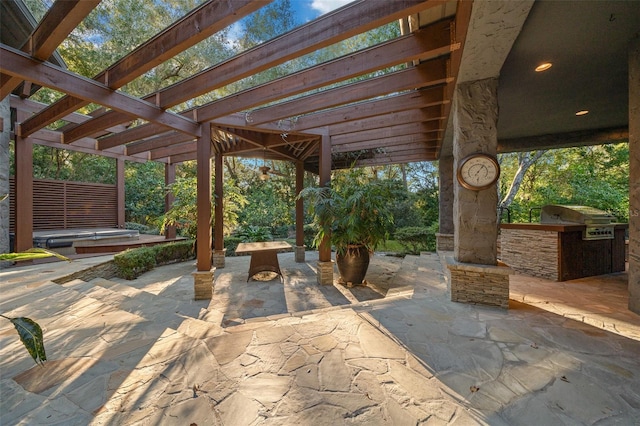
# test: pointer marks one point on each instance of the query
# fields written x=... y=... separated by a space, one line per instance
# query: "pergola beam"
x=17 y=63
x=430 y=43
x=429 y=74
x=55 y=26
x=199 y=24
x=322 y=32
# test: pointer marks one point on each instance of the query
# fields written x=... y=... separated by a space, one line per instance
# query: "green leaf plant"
x=31 y=337
x=29 y=331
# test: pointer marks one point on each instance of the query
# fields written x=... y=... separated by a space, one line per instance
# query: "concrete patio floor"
x=294 y=353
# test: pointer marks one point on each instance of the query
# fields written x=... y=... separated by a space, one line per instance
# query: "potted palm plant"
x=357 y=215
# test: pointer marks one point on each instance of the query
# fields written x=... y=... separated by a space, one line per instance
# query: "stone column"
x=5 y=130
x=475 y=276
x=475 y=217
x=634 y=174
x=444 y=237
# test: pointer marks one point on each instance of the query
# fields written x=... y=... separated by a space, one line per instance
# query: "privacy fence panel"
x=65 y=205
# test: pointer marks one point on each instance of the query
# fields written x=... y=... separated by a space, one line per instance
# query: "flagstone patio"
x=282 y=353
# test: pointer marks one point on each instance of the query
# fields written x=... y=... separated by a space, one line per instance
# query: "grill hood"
x=583 y=215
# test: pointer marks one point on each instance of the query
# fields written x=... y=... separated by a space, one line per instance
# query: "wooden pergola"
x=396 y=117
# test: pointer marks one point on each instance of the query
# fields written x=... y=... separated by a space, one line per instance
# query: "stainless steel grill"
x=599 y=223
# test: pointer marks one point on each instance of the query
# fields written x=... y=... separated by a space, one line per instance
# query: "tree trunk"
x=525 y=161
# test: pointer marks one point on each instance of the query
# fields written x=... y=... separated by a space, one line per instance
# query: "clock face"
x=478 y=171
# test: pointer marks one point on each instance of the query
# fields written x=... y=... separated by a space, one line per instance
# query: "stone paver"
x=394 y=352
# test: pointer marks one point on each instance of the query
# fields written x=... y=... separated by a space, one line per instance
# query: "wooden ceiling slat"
x=199 y=24
x=462 y=19
x=414 y=139
x=130 y=135
x=157 y=142
x=173 y=149
x=415 y=99
x=403 y=117
x=17 y=63
x=386 y=132
x=431 y=73
x=422 y=45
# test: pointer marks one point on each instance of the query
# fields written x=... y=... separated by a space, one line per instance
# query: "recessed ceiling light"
x=583 y=112
x=544 y=67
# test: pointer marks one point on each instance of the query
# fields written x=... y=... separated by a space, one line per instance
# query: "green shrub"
x=253 y=234
x=231 y=243
x=143 y=229
x=134 y=262
x=416 y=238
x=310 y=231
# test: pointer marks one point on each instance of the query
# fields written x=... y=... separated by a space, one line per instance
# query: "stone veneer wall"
x=530 y=252
x=479 y=284
x=5 y=116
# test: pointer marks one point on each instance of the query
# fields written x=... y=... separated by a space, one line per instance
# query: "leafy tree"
x=596 y=176
x=144 y=193
x=183 y=214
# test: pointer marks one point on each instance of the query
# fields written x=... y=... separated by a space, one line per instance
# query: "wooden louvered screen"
x=65 y=205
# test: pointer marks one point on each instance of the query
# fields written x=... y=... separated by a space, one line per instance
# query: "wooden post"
x=634 y=174
x=300 y=249
x=24 y=193
x=120 y=200
x=169 y=178
x=204 y=199
x=219 y=205
x=325 y=265
x=324 y=250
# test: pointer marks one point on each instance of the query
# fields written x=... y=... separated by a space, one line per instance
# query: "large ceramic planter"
x=353 y=264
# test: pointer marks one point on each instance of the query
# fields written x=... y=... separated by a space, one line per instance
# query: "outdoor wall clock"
x=478 y=171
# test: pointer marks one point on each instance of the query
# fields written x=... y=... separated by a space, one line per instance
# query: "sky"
x=311 y=9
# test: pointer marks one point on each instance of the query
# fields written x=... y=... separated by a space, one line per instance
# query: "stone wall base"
x=479 y=284
x=217 y=258
x=444 y=242
x=325 y=273
x=203 y=284
x=299 y=252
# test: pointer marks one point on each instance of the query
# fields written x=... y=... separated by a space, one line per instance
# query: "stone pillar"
x=299 y=253
x=475 y=216
x=444 y=237
x=218 y=258
x=325 y=273
x=203 y=284
x=634 y=174
x=5 y=130
x=475 y=276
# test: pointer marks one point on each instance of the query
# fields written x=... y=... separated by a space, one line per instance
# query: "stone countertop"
x=556 y=227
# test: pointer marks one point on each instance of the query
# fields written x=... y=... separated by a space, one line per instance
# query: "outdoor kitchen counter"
x=558 y=252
